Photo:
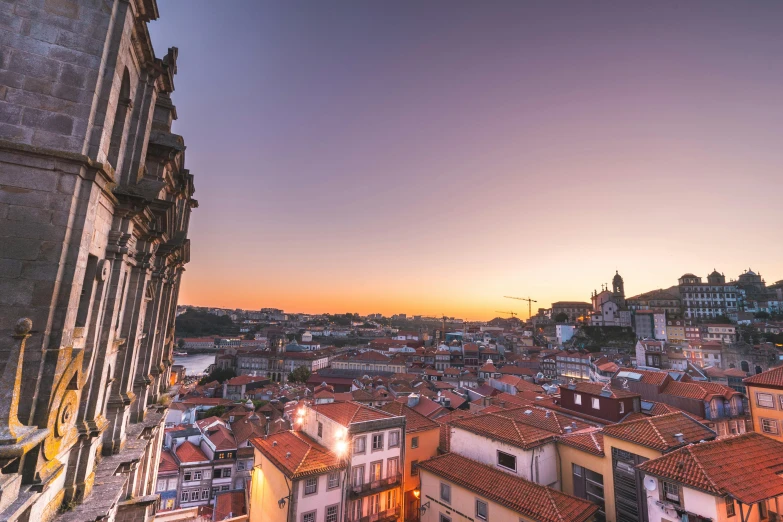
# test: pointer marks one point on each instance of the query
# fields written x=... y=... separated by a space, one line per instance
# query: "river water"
x=195 y=364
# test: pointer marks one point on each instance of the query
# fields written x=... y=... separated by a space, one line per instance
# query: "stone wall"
x=94 y=212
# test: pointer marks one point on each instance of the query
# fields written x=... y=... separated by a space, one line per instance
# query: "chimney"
x=567 y=429
x=413 y=400
x=546 y=414
x=573 y=425
x=680 y=438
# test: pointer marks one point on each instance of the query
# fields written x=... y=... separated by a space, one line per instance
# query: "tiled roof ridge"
x=655 y=429
x=519 y=433
x=553 y=504
x=701 y=468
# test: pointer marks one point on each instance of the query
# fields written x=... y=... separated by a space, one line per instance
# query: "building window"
x=414 y=442
x=377 y=442
x=205 y=494
x=333 y=480
x=445 y=492
x=444 y=518
x=578 y=398
x=765 y=400
x=622 y=407
x=308 y=517
x=360 y=444
x=188 y=476
x=596 y=403
x=320 y=429
x=357 y=477
x=769 y=426
x=392 y=466
x=414 y=468
x=671 y=492
x=215 y=492
x=331 y=513
x=376 y=470
x=196 y=475
x=194 y=495
x=481 y=509
x=184 y=496
x=240 y=466
x=507 y=460
x=311 y=486
x=224 y=488
x=730 y=508
x=394 y=439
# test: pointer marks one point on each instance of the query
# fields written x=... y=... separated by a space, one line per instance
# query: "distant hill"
x=506 y=322
x=196 y=323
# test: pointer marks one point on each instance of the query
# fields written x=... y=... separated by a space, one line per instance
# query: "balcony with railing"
x=389 y=515
x=375 y=486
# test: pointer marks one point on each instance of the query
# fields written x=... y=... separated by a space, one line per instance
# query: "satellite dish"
x=650 y=483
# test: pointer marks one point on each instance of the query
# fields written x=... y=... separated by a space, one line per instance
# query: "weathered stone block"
x=74 y=57
x=50 y=140
x=38 y=85
x=10 y=78
x=33 y=65
x=74 y=75
x=52 y=122
x=10 y=113
x=31 y=214
x=80 y=42
x=19 y=248
x=21 y=196
x=44 y=32
x=23 y=177
x=67 y=8
x=10 y=268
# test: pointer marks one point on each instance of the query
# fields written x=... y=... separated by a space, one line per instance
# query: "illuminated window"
x=769 y=426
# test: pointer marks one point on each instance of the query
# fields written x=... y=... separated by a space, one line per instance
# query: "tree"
x=761 y=315
x=181 y=344
x=562 y=317
x=219 y=375
x=300 y=374
x=215 y=411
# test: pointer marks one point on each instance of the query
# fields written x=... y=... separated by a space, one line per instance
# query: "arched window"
x=744 y=366
x=120 y=117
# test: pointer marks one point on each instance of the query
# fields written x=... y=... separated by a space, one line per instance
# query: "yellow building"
x=602 y=461
x=422 y=436
x=455 y=489
x=765 y=396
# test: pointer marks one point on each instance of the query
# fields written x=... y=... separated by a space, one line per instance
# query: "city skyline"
x=381 y=158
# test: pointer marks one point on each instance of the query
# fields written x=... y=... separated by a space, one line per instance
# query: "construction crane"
x=512 y=314
x=529 y=303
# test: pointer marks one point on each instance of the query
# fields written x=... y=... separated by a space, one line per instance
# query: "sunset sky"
x=432 y=157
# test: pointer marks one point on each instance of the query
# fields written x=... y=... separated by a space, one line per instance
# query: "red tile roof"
x=531 y=500
x=221 y=437
x=345 y=413
x=594 y=388
x=773 y=378
x=188 y=452
x=699 y=390
x=590 y=441
x=167 y=462
x=648 y=376
x=297 y=455
x=745 y=467
x=659 y=432
x=414 y=421
x=230 y=504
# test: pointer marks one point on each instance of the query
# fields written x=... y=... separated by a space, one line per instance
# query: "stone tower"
x=618 y=289
x=95 y=202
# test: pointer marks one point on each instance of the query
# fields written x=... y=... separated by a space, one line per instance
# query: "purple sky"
x=431 y=157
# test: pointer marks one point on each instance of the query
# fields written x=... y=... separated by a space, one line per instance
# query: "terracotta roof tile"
x=188 y=452
x=659 y=432
x=296 y=454
x=745 y=467
x=167 y=462
x=221 y=437
x=414 y=421
x=531 y=500
x=699 y=390
x=590 y=441
x=345 y=413
x=230 y=504
x=773 y=377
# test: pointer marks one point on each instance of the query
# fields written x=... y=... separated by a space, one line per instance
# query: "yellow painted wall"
x=428 y=448
x=267 y=487
x=757 y=412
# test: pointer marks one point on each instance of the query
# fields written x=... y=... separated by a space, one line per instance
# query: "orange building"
x=422 y=436
x=765 y=397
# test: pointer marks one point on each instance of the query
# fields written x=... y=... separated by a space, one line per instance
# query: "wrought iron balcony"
x=376 y=486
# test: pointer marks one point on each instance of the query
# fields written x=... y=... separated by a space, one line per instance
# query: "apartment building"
x=600 y=465
x=650 y=324
x=370 y=361
x=277 y=366
x=730 y=479
x=422 y=438
x=455 y=488
x=721 y=333
x=599 y=400
x=765 y=398
x=721 y=407
x=714 y=298
x=573 y=309
x=372 y=440
x=572 y=365
x=296 y=479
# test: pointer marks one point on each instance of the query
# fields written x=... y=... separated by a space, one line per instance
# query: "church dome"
x=617 y=278
x=293 y=347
